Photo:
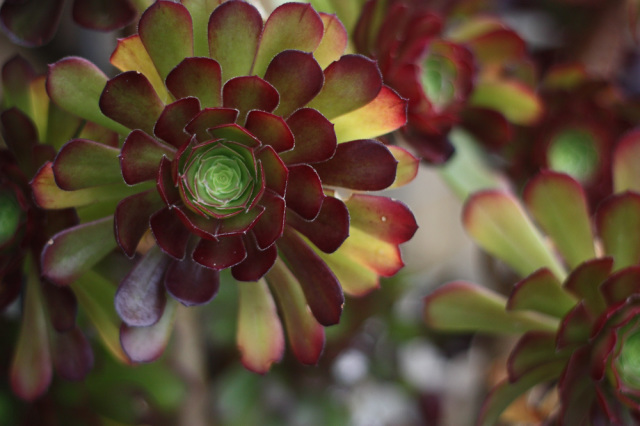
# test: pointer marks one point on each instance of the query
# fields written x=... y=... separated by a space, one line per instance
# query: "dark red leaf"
x=304 y=191
x=327 y=231
x=315 y=139
x=171 y=124
x=257 y=263
x=190 y=283
x=131 y=219
x=170 y=234
x=220 y=254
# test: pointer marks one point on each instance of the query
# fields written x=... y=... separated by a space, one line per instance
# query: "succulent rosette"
x=237 y=135
x=476 y=74
x=49 y=337
x=578 y=315
x=33 y=23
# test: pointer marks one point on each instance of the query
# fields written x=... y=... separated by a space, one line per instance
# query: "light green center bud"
x=10 y=213
x=629 y=360
x=438 y=76
x=222 y=179
x=574 y=151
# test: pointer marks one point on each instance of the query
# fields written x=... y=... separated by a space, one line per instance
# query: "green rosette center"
x=628 y=363
x=10 y=215
x=438 y=80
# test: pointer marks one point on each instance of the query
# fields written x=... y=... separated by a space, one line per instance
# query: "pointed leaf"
x=73 y=251
x=166 y=31
x=131 y=219
x=146 y=344
x=381 y=257
x=626 y=175
x=384 y=114
x=140 y=299
x=171 y=124
x=247 y=93
x=190 y=283
x=541 y=292
x=269 y=226
x=533 y=350
x=291 y=26
x=618 y=223
x=559 y=205
x=575 y=328
x=334 y=41
x=61 y=305
x=83 y=163
x=314 y=138
x=382 y=218
x=304 y=191
x=513 y=99
x=31 y=23
x=465 y=307
x=72 y=354
x=585 y=281
x=220 y=254
x=329 y=229
x=257 y=263
x=621 y=285
x=276 y=173
x=260 y=338
x=270 y=130
x=103 y=15
x=407 y=168
x=197 y=77
x=499 y=224
x=355 y=279
x=17 y=76
x=20 y=136
x=169 y=232
x=140 y=157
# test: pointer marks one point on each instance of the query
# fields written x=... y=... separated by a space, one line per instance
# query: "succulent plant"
x=236 y=136
x=48 y=332
x=577 y=316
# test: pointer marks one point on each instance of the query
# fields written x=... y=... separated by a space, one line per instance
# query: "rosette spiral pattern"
x=237 y=133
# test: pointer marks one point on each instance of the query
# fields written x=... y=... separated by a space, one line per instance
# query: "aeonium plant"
x=577 y=315
x=237 y=137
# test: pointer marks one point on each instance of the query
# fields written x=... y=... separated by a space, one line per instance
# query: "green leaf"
x=618 y=223
x=626 y=157
x=541 y=292
x=513 y=99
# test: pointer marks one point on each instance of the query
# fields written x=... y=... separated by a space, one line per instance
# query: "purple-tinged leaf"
x=103 y=15
x=334 y=41
x=257 y=263
x=169 y=232
x=315 y=140
x=541 y=292
x=131 y=219
x=190 y=283
x=533 y=350
x=140 y=299
x=382 y=217
x=240 y=223
x=146 y=344
x=626 y=157
x=17 y=77
x=83 y=164
x=349 y=84
x=305 y=334
x=220 y=254
x=197 y=77
x=498 y=223
x=75 y=85
x=585 y=280
x=601 y=350
x=164 y=183
x=30 y=372
x=304 y=191
x=61 y=306
x=72 y=354
x=363 y=165
x=75 y=250
x=270 y=130
x=269 y=226
x=30 y=23
x=234 y=33
x=320 y=286
x=576 y=389
x=386 y=113
x=465 y=307
x=575 y=328
x=91 y=131
x=619 y=286
x=618 y=223
x=210 y=118
x=247 y=93
x=260 y=338
x=506 y=392
x=276 y=173
x=297 y=77
x=291 y=26
x=206 y=228
x=166 y=31
x=171 y=124
x=11 y=286
x=140 y=157
x=131 y=100
x=130 y=55
x=329 y=229
x=21 y=137
x=559 y=205
x=234 y=133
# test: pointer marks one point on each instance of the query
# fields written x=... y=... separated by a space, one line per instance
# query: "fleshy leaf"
x=621 y=285
x=386 y=113
x=140 y=157
x=146 y=344
x=131 y=219
x=140 y=299
x=349 y=84
x=257 y=263
x=103 y=15
x=585 y=280
x=626 y=157
x=20 y=136
x=72 y=354
x=465 y=307
x=382 y=217
x=533 y=350
x=269 y=226
x=315 y=139
x=31 y=23
x=234 y=34
x=304 y=191
x=541 y=292
x=407 y=168
x=30 y=372
x=334 y=41
x=260 y=337
x=291 y=26
x=270 y=130
x=166 y=31
x=276 y=173
x=575 y=328
x=190 y=283
x=247 y=93
x=170 y=234
x=73 y=251
x=75 y=84
x=329 y=229
x=305 y=334
x=499 y=224
x=513 y=99
x=82 y=163
x=618 y=223
x=380 y=256
x=221 y=254
x=61 y=305
x=355 y=278
x=559 y=205
x=321 y=287
x=197 y=77
x=171 y=124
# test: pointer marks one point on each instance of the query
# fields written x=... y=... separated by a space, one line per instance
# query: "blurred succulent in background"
x=476 y=74
x=48 y=334
x=579 y=328
x=32 y=23
x=236 y=135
